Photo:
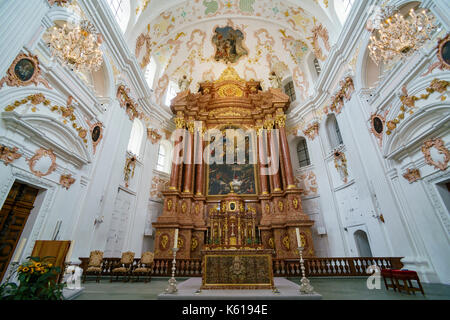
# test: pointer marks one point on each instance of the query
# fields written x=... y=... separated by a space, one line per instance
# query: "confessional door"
x=13 y=217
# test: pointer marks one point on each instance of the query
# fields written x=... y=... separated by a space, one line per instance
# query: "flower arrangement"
x=37 y=281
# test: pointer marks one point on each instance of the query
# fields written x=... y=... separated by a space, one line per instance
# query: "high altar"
x=223 y=209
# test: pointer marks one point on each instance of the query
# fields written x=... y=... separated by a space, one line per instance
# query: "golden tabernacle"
x=237 y=208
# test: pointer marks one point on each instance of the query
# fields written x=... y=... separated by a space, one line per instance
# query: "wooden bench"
x=389 y=281
x=406 y=276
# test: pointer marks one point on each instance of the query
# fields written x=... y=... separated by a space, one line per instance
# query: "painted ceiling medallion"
x=229 y=44
x=40 y=154
x=443 y=55
x=96 y=130
x=438 y=144
x=23 y=72
x=9 y=155
x=377 y=126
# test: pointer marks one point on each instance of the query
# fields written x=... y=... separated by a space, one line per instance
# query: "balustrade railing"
x=314 y=267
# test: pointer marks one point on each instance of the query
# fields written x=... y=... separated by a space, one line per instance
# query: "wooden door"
x=13 y=216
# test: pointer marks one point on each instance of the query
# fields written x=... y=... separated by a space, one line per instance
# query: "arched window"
x=137 y=133
x=362 y=244
x=334 y=133
x=162 y=155
x=343 y=8
x=171 y=92
x=121 y=11
x=289 y=89
x=303 y=154
x=317 y=67
x=150 y=72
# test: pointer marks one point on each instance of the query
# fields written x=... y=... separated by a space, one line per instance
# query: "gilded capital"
x=180 y=123
x=191 y=126
x=280 y=120
x=268 y=124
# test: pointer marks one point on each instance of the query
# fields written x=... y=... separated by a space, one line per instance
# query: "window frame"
x=302 y=149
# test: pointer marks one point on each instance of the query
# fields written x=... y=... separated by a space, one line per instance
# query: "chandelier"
x=78 y=46
x=395 y=36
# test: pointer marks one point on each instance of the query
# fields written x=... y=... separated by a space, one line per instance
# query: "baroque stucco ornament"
x=438 y=144
x=153 y=135
x=66 y=181
x=412 y=175
x=340 y=163
x=442 y=49
x=312 y=131
x=131 y=107
x=42 y=153
x=23 y=72
x=9 y=155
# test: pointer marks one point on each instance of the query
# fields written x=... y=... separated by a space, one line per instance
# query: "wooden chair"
x=126 y=262
x=94 y=265
x=406 y=276
x=387 y=275
x=145 y=266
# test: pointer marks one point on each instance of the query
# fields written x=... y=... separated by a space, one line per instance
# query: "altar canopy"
x=239 y=205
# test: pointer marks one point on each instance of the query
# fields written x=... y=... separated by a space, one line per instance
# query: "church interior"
x=227 y=147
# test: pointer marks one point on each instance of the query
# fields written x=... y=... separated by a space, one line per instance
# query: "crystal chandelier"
x=78 y=46
x=394 y=36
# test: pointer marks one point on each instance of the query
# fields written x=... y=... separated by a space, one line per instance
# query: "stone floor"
x=329 y=288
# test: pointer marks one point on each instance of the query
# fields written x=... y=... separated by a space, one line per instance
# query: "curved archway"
x=136 y=137
x=362 y=244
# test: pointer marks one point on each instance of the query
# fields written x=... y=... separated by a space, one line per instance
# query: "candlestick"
x=69 y=253
x=305 y=286
x=299 y=241
x=19 y=250
x=175 y=241
x=172 y=288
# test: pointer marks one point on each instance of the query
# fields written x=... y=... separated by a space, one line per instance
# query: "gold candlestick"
x=172 y=288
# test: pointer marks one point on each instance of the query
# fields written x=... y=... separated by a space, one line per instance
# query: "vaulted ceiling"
x=280 y=36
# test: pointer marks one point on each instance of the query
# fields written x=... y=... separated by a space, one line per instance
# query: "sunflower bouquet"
x=37 y=281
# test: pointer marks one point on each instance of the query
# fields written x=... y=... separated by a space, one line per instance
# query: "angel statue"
x=184 y=83
x=275 y=80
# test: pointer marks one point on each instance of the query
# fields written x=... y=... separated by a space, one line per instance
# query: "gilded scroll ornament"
x=319 y=31
x=130 y=166
x=131 y=107
x=340 y=163
x=312 y=131
x=286 y=242
x=9 y=155
x=153 y=135
x=66 y=181
x=412 y=175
